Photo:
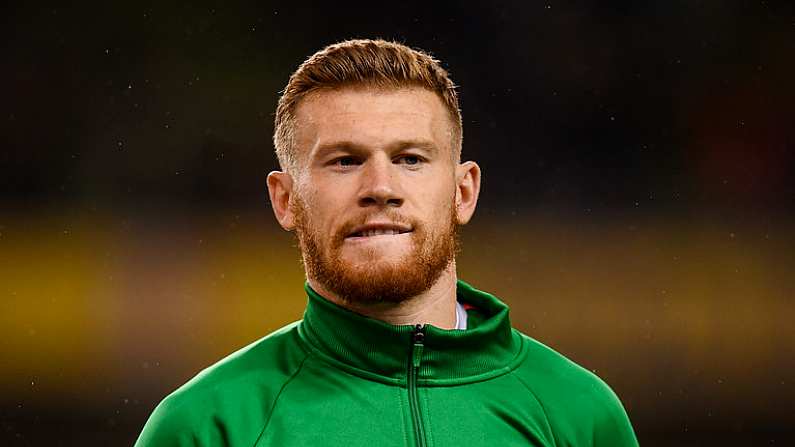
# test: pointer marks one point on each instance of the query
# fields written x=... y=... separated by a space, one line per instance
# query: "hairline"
x=291 y=153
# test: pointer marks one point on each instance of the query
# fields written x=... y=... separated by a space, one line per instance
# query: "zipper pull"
x=418 y=338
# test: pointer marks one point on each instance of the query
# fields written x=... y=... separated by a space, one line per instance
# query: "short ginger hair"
x=362 y=63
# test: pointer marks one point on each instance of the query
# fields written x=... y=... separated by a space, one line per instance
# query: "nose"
x=380 y=186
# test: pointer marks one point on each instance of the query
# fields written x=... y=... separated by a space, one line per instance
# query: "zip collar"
x=378 y=350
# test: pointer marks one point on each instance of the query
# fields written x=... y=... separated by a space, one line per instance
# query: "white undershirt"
x=460 y=316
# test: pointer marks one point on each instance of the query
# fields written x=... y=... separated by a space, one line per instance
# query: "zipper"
x=417 y=340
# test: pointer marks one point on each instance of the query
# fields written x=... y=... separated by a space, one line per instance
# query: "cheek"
x=315 y=199
x=436 y=217
x=436 y=201
x=324 y=215
x=334 y=190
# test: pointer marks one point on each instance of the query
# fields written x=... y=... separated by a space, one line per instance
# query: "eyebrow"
x=350 y=146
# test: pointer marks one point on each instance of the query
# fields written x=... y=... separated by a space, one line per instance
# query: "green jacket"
x=337 y=378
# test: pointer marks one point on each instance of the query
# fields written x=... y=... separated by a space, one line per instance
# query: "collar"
x=460 y=316
x=378 y=350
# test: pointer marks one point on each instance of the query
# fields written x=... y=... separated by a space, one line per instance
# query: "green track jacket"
x=337 y=378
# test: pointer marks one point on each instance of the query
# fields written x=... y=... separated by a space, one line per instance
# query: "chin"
x=388 y=254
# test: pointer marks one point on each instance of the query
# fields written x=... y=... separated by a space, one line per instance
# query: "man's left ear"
x=467 y=190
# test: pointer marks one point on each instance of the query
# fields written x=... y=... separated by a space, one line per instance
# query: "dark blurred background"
x=637 y=211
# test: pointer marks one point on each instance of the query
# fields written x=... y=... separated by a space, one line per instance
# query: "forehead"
x=370 y=117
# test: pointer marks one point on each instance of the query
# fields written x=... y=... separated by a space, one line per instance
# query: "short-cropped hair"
x=367 y=63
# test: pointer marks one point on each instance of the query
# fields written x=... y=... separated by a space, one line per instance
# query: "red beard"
x=382 y=280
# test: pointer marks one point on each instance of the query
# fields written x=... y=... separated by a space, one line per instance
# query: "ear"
x=280 y=188
x=467 y=190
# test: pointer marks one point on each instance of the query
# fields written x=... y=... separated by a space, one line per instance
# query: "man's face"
x=374 y=195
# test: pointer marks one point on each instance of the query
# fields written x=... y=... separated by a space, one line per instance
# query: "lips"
x=379 y=229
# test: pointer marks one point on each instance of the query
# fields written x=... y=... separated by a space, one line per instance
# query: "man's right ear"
x=280 y=188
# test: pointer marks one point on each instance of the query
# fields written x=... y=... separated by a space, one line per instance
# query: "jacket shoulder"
x=580 y=407
x=229 y=402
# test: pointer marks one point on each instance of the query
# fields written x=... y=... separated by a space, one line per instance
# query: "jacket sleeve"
x=612 y=427
x=170 y=425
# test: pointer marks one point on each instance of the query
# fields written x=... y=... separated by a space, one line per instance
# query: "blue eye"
x=346 y=161
x=410 y=160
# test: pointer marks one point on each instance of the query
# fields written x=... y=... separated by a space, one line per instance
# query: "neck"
x=435 y=306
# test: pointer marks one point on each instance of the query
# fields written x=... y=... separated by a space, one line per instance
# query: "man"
x=393 y=350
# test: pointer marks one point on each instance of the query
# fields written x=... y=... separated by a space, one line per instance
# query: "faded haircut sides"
x=366 y=63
